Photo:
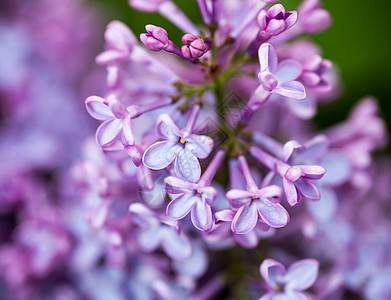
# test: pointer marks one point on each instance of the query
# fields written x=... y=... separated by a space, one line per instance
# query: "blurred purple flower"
x=288 y=283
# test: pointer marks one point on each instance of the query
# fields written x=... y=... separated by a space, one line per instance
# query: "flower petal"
x=127 y=133
x=248 y=240
x=302 y=274
x=304 y=109
x=307 y=189
x=210 y=194
x=225 y=215
x=201 y=215
x=338 y=169
x=186 y=165
x=238 y=198
x=199 y=145
x=108 y=132
x=288 y=70
x=267 y=57
x=312 y=172
x=116 y=107
x=326 y=208
x=291 y=193
x=291 y=89
x=176 y=185
x=166 y=127
x=149 y=239
x=245 y=219
x=111 y=56
x=180 y=206
x=97 y=109
x=272 y=192
x=273 y=214
x=159 y=155
x=272 y=271
x=175 y=244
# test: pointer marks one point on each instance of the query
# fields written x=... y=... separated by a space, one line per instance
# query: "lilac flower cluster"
x=205 y=164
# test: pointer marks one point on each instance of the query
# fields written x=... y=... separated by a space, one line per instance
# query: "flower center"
x=279 y=288
x=182 y=141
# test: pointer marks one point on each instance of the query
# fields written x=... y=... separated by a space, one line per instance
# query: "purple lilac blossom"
x=180 y=146
x=107 y=219
x=288 y=283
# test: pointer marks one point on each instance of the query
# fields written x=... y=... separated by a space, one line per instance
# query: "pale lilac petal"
x=248 y=240
x=245 y=219
x=111 y=56
x=238 y=198
x=149 y=239
x=141 y=210
x=291 y=194
x=272 y=192
x=116 y=107
x=201 y=215
x=338 y=169
x=288 y=149
x=272 y=271
x=304 y=109
x=196 y=265
x=108 y=132
x=273 y=214
x=159 y=155
x=186 y=165
x=175 y=244
x=312 y=172
x=180 y=207
x=199 y=145
x=97 y=109
x=294 y=295
x=302 y=274
x=225 y=215
x=210 y=194
x=166 y=127
x=267 y=57
x=291 y=89
x=275 y=27
x=307 y=189
x=315 y=148
x=291 y=19
x=127 y=133
x=275 y=10
x=326 y=208
x=176 y=185
x=288 y=70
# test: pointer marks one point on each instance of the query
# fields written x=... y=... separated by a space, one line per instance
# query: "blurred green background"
x=358 y=42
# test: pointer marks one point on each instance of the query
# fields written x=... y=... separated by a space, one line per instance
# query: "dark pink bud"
x=276 y=20
x=156 y=38
x=194 y=46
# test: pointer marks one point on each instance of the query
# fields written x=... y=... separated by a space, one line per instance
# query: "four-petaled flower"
x=261 y=204
x=156 y=231
x=193 y=197
x=116 y=119
x=179 y=146
x=277 y=78
x=288 y=284
x=297 y=182
x=296 y=179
